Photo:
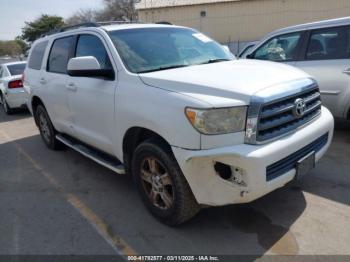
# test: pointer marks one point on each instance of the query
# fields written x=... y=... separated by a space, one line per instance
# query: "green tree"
x=10 y=48
x=22 y=44
x=44 y=24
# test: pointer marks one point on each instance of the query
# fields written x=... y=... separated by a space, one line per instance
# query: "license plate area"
x=305 y=165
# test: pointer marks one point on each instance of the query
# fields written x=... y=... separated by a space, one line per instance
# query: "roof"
x=95 y=27
x=318 y=24
x=14 y=63
x=150 y=4
x=133 y=26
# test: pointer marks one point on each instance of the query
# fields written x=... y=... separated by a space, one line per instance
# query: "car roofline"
x=14 y=63
x=313 y=25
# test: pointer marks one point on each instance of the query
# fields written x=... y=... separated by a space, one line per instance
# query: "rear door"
x=327 y=59
x=55 y=81
x=34 y=70
x=91 y=99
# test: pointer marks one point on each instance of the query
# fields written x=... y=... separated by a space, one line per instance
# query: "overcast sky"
x=13 y=13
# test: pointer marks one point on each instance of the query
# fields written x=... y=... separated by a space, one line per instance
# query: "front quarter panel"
x=161 y=111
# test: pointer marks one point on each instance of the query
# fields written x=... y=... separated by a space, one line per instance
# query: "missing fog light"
x=224 y=171
x=232 y=174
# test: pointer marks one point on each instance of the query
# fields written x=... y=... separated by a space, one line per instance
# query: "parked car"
x=247 y=50
x=12 y=94
x=173 y=108
x=322 y=49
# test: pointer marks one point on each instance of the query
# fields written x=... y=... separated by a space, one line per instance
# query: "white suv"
x=170 y=106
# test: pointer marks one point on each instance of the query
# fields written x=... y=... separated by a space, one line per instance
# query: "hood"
x=220 y=83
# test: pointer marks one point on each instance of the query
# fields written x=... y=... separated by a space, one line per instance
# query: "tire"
x=47 y=131
x=7 y=109
x=161 y=184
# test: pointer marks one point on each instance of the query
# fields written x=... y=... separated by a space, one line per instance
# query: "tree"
x=121 y=10
x=82 y=16
x=22 y=44
x=44 y=24
x=10 y=48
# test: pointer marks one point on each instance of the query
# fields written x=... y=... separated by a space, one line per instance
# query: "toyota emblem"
x=299 y=108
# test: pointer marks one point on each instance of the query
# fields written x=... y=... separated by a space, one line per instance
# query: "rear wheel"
x=6 y=107
x=47 y=131
x=162 y=185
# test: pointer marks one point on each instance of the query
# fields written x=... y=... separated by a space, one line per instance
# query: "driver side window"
x=90 y=45
x=280 y=48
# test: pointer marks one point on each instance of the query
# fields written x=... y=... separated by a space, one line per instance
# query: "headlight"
x=218 y=121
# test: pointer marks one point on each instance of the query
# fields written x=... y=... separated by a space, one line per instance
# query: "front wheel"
x=162 y=185
x=47 y=131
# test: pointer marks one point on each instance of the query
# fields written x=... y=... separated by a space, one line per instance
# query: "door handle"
x=42 y=81
x=347 y=71
x=72 y=87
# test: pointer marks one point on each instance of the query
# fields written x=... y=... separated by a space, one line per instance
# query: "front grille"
x=277 y=118
x=286 y=164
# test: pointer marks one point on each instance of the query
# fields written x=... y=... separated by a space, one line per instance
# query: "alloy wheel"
x=44 y=127
x=157 y=183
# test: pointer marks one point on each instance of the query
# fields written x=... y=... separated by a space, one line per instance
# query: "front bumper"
x=252 y=160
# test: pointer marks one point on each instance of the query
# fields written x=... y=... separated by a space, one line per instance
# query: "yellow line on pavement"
x=116 y=242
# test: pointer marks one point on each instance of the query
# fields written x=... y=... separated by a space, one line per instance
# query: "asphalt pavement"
x=61 y=203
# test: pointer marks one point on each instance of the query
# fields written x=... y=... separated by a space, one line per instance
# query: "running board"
x=99 y=157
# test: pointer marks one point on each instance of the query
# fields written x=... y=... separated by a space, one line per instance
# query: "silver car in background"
x=321 y=49
x=12 y=94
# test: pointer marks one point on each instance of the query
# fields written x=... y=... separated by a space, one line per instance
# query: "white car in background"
x=12 y=94
x=321 y=49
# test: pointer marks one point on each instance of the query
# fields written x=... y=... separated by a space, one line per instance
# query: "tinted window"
x=59 y=55
x=330 y=43
x=90 y=45
x=280 y=48
x=16 y=69
x=37 y=55
x=1 y=71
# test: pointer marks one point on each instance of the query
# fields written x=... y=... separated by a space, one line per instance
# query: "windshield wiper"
x=161 y=68
x=211 y=61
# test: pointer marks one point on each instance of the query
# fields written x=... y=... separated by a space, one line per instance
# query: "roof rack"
x=163 y=23
x=88 y=24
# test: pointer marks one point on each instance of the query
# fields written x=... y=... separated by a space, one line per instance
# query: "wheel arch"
x=36 y=101
x=133 y=137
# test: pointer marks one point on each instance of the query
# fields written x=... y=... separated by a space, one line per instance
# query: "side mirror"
x=87 y=66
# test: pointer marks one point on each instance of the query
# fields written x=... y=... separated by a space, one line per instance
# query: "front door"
x=282 y=48
x=91 y=99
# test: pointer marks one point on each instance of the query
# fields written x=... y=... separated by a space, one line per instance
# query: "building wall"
x=246 y=20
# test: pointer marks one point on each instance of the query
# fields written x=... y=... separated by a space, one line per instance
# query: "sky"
x=13 y=13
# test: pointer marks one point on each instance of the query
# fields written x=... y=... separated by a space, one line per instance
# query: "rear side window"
x=280 y=48
x=37 y=55
x=59 y=55
x=90 y=45
x=329 y=43
x=16 y=69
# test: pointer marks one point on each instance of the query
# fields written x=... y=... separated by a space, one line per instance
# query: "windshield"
x=16 y=69
x=153 y=49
